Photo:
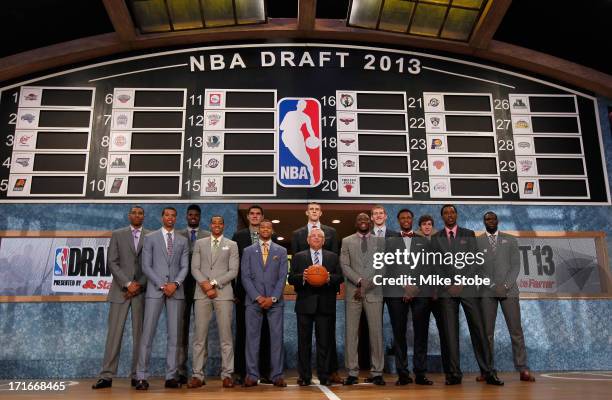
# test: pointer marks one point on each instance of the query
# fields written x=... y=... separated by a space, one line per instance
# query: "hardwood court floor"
x=558 y=386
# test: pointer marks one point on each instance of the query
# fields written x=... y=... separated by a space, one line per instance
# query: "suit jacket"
x=124 y=262
x=201 y=234
x=418 y=244
x=264 y=280
x=503 y=266
x=388 y=233
x=299 y=239
x=221 y=266
x=310 y=299
x=161 y=268
x=243 y=240
x=464 y=242
x=356 y=265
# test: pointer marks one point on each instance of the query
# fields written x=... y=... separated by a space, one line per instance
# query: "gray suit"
x=123 y=260
x=220 y=265
x=357 y=265
x=160 y=268
x=502 y=267
x=189 y=289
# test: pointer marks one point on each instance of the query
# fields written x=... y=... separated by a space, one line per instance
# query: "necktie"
x=264 y=252
x=136 y=234
x=364 y=244
x=451 y=238
x=316 y=258
x=379 y=233
x=215 y=245
x=493 y=242
x=254 y=237
x=407 y=234
x=170 y=244
x=193 y=235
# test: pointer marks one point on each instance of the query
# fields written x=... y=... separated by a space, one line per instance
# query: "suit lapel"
x=164 y=247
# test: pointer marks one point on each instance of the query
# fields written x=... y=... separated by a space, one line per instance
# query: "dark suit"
x=465 y=241
x=315 y=305
x=299 y=239
x=422 y=305
x=189 y=289
x=243 y=240
x=502 y=267
x=124 y=262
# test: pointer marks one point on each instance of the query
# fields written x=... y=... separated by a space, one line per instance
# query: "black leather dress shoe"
x=265 y=381
x=325 y=382
x=238 y=380
x=102 y=383
x=303 y=382
x=142 y=385
x=403 y=380
x=453 y=380
x=350 y=380
x=182 y=379
x=172 y=384
x=422 y=380
x=377 y=380
x=134 y=382
x=494 y=380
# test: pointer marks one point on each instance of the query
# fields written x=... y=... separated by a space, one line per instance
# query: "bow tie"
x=408 y=234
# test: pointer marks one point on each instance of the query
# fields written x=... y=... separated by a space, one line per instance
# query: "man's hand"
x=261 y=301
x=358 y=296
x=133 y=288
x=455 y=290
x=267 y=303
x=409 y=293
x=209 y=289
x=500 y=291
x=169 y=289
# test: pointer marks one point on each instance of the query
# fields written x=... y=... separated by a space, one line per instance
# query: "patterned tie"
x=264 y=252
x=136 y=234
x=254 y=237
x=364 y=244
x=493 y=242
x=193 y=236
x=215 y=245
x=316 y=257
x=407 y=234
x=380 y=233
x=170 y=244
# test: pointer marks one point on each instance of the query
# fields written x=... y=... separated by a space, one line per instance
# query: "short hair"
x=317 y=230
x=137 y=206
x=425 y=218
x=446 y=206
x=265 y=221
x=217 y=216
x=403 y=210
x=168 y=208
x=489 y=213
x=194 y=207
x=378 y=206
x=255 y=206
x=312 y=203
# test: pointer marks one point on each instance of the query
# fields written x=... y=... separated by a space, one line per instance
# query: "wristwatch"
x=274 y=299
x=177 y=283
x=213 y=282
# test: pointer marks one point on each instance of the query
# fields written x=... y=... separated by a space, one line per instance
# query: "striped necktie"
x=264 y=252
x=170 y=244
x=316 y=258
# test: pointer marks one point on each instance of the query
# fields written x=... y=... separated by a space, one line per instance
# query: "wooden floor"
x=558 y=386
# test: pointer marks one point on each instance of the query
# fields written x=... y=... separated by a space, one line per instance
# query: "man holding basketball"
x=315 y=274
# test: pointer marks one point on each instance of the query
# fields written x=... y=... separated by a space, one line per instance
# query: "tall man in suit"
x=400 y=300
x=454 y=239
x=245 y=238
x=299 y=243
x=126 y=292
x=264 y=272
x=502 y=266
x=315 y=305
x=165 y=262
x=356 y=260
x=214 y=266
x=379 y=219
x=192 y=233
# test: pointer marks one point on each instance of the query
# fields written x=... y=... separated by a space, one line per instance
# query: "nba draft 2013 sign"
x=299 y=155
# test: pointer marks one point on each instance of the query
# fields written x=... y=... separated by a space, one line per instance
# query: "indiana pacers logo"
x=299 y=147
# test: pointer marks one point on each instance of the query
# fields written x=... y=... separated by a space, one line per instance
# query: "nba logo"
x=299 y=147
x=61 y=261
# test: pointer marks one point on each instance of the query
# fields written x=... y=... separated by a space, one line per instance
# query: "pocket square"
x=225 y=248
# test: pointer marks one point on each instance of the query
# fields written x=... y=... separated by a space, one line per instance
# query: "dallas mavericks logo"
x=61 y=261
x=299 y=147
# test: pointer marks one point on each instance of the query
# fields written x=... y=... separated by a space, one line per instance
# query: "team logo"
x=524 y=145
x=122 y=120
x=23 y=161
x=213 y=119
x=346 y=100
x=28 y=117
x=521 y=124
x=434 y=102
x=529 y=187
x=19 y=185
x=124 y=98
x=435 y=121
x=116 y=186
x=346 y=120
x=349 y=164
x=31 y=97
x=213 y=141
x=89 y=284
x=61 y=261
x=212 y=163
x=118 y=163
x=120 y=140
x=439 y=164
x=436 y=144
x=299 y=147
x=214 y=99
x=211 y=186
x=347 y=142
x=24 y=139
x=525 y=165
x=440 y=187
x=518 y=103
x=348 y=183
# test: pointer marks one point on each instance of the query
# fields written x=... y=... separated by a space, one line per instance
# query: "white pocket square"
x=225 y=248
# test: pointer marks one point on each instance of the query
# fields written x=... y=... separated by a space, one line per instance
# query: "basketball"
x=313 y=142
x=316 y=275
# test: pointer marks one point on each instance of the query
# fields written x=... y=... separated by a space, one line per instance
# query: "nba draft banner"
x=44 y=266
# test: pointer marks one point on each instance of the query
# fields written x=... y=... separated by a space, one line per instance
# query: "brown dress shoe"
x=195 y=383
x=248 y=382
x=280 y=382
x=480 y=378
x=335 y=378
x=527 y=376
x=228 y=382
